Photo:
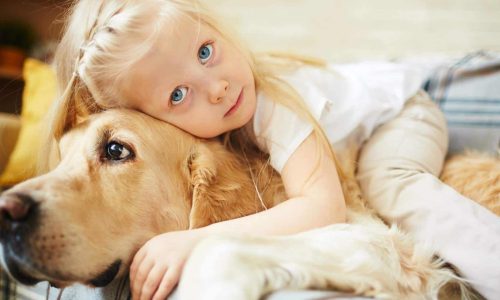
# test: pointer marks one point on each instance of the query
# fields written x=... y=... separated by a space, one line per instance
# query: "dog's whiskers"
x=47 y=293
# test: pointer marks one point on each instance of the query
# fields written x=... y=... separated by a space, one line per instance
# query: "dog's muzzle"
x=18 y=218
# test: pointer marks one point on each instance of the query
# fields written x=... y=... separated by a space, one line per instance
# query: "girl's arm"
x=316 y=200
x=315 y=197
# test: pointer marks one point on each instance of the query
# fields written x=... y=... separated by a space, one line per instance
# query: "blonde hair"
x=104 y=38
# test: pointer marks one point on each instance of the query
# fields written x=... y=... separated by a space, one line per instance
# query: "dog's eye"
x=116 y=151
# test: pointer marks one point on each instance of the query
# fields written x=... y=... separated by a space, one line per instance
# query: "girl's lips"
x=236 y=105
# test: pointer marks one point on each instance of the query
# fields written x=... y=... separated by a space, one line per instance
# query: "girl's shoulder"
x=318 y=76
x=341 y=81
x=366 y=72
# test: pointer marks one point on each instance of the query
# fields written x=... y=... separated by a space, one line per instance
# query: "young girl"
x=172 y=60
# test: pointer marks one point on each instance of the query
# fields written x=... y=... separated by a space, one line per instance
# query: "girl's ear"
x=202 y=175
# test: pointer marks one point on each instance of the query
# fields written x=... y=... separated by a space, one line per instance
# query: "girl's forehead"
x=183 y=32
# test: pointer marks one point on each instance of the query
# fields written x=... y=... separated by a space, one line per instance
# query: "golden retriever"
x=124 y=177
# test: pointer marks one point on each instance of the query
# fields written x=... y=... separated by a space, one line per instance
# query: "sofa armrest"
x=9 y=130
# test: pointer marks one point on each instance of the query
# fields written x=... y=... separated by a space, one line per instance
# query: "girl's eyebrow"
x=198 y=35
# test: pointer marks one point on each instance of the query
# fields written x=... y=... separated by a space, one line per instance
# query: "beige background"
x=341 y=30
x=337 y=30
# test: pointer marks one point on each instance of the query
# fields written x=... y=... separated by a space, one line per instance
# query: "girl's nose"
x=218 y=90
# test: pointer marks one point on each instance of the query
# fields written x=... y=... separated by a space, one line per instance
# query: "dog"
x=476 y=176
x=124 y=177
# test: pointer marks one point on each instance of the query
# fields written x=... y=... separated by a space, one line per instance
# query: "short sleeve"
x=279 y=131
x=348 y=101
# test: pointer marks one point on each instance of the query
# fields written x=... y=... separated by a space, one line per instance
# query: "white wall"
x=356 y=29
x=337 y=30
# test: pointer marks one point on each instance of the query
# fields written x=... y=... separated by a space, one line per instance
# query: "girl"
x=172 y=60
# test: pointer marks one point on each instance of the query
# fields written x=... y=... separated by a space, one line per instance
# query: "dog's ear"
x=203 y=173
x=221 y=187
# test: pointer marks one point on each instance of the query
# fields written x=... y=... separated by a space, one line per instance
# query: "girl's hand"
x=157 y=266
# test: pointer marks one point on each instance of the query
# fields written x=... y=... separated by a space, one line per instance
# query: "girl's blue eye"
x=178 y=95
x=205 y=53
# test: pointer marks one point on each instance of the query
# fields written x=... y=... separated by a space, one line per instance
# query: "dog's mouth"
x=32 y=277
x=107 y=276
x=15 y=263
x=28 y=265
x=20 y=275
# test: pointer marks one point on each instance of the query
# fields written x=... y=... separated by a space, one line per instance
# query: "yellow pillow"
x=38 y=94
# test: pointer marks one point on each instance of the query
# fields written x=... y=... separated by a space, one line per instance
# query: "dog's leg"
x=358 y=259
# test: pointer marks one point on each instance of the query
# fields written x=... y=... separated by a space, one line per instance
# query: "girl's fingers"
x=152 y=282
x=141 y=274
x=136 y=262
x=168 y=282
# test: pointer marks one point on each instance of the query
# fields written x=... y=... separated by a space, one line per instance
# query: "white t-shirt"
x=349 y=101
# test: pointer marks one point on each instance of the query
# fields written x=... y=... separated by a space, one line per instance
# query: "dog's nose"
x=15 y=207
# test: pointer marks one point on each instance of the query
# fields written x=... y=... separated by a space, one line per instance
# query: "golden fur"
x=476 y=176
x=93 y=213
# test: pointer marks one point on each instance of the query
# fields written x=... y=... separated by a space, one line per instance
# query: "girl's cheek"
x=217 y=53
x=182 y=108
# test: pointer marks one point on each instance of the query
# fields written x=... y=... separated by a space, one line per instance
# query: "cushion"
x=468 y=92
x=39 y=92
x=9 y=131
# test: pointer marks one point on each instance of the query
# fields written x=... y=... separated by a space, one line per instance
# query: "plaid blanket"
x=10 y=290
x=468 y=92
x=117 y=290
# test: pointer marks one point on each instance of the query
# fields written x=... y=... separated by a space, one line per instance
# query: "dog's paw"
x=217 y=269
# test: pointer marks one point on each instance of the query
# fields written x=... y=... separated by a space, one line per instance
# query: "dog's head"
x=123 y=177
